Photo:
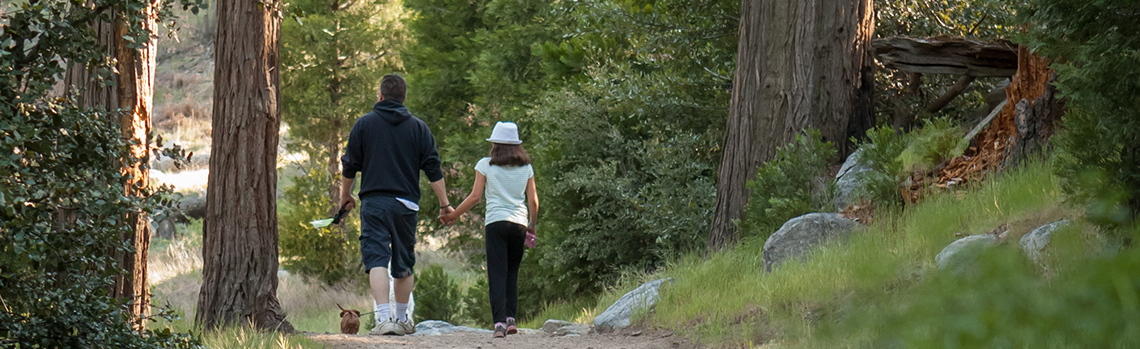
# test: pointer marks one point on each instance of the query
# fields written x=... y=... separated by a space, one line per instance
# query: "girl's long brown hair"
x=508 y=155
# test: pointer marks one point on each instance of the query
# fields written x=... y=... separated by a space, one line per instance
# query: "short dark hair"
x=394 y=87
x=508 y=155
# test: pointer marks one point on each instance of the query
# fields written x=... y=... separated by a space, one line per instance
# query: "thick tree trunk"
x=132 y=92
x=800 y=64
x=135 y=89
x=239 y=241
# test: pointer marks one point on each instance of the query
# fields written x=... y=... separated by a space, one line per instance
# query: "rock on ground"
x=847 y=183
x=801 y=234
x=618 y=315
x=564 y=328
x=436 y=327
x=964 y=250
x=1035 y=241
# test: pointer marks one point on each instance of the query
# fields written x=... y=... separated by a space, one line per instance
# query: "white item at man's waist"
x=410 y=205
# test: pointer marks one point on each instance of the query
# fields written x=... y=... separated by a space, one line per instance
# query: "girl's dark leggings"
x=504 y=253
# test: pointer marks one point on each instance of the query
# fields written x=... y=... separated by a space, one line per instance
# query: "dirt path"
x=630 y=339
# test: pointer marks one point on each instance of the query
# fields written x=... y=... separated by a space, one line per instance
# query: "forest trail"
x=635 y=339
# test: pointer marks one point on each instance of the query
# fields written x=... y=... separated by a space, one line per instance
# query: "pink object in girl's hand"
x=530 y=239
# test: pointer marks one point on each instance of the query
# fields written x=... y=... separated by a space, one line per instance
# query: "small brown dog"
x=349 y=320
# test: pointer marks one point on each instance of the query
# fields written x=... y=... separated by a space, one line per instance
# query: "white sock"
x=401 y=311
x=383 y=312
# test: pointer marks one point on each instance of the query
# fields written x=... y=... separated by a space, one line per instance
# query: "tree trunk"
x=132 y=92
x=239 y=240
x=135 y=89
x=335 y=94
x=94 y=93
x=800 y=64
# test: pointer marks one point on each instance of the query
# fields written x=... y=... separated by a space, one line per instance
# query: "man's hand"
x=443 y=212
x=346 y=193
x=348 y=202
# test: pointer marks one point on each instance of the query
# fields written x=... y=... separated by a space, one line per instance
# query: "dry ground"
x=629 y=339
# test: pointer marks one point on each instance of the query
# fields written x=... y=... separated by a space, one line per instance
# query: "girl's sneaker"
x=511 y=328
x=500 y=330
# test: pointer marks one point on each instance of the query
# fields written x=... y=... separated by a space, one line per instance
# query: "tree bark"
x=94 y=93
x=135 y=84
x=132 y=91
x=948 y=55
x=239 y=240
x=800 y=64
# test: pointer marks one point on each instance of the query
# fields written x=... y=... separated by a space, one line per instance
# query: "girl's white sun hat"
x=505 y=133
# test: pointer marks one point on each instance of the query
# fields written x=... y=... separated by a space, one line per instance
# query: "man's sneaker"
x=500 y=330
x=407 y=326
x=387 y=328
x=511 y=328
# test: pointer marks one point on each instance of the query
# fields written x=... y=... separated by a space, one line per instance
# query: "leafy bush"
x=789 y=185
x=330 y=254
x=62 y=209
x=613 y=196
x=939 y=140
x=880 y=153
x=1097 y=64
x=437 y=296
x=477 y=304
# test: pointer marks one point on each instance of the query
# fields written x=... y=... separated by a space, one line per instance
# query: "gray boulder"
x=963 y=251
x=848 y=185
x=618 y=315
x=564 y=328
x=801 y=234
x=436 y=327
x=1035 y=241
x=193 y=207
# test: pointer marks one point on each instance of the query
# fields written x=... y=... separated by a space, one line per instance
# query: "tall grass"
x=727 y=299
x=175 y=267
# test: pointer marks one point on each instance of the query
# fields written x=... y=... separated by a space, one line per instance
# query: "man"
x=389 y=147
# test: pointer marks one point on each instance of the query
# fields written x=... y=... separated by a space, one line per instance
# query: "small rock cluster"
x=961 y=253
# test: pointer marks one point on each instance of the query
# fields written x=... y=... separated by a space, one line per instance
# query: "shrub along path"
x=629 y=339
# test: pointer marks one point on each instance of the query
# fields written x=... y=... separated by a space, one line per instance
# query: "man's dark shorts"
x=387 y=231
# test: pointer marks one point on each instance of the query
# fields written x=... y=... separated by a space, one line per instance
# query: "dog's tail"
x=341 y=308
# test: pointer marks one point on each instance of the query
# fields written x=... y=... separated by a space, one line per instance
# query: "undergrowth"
x=727 y=300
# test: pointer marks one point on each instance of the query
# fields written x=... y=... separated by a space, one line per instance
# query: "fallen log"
x=947 y=55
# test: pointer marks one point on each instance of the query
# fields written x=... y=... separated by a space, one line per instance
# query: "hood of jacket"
x=391 y=111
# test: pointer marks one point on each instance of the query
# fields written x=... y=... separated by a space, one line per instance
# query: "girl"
x=507 y=177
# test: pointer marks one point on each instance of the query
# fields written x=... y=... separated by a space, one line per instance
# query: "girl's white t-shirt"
x=505 y=191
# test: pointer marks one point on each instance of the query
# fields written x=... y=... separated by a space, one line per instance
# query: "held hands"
x=447 y=215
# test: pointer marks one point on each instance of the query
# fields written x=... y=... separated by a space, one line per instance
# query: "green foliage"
x=938 y=141
x=437 y=296
x=880 y=153
x=621 y=104
x=330 y=254
x=615 y=200
x=789 y=185
x=985 y=19
x=1097 y=64
x=1005 y=302
x=477 y=304
x=62 y=208
x=332 y=60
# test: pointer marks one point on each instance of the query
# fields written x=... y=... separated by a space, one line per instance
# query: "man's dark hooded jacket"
x=389 y=147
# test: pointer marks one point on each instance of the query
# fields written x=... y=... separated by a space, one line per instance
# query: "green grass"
x=727 y=300
x=241 y=337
